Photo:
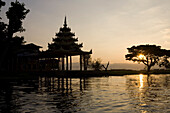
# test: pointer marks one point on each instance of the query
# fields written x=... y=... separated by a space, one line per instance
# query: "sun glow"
x=141 y=56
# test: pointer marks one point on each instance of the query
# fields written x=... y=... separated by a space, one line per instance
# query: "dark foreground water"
x=114 y=94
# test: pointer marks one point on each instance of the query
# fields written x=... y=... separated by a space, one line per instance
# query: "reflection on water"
x=149 y=93
x=132 y=93
x=141 y=81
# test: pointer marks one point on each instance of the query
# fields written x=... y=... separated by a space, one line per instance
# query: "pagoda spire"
x=65 y=22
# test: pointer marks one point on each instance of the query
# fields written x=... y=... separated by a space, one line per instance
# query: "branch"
x=144 y=62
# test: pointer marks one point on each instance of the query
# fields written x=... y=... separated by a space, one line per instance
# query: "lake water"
x=114 y=94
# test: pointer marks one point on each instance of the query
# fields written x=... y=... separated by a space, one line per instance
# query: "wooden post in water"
x=67 y=63
x=80 y=62
x=63 y=63
x=84 y=85
x=67 y=84
x=59 y=68
x=70 y=84
x=80 y=84
x=70 y=63
x=58 y=84
x=85 y=62
x=62 y=85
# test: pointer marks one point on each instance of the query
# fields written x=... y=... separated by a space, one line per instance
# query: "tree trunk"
x=148 y=69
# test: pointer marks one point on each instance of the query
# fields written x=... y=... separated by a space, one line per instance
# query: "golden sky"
x=106 y=26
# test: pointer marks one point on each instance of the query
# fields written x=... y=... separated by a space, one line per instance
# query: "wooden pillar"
x=67 y=63
x=80 y=62
x=85 y=63
x=63 y=63
x=70 y=63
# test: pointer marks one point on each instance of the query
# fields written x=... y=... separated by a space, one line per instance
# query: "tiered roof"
x=65 y=43
x=65 y=40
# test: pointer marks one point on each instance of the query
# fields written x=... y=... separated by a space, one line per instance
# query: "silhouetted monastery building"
x=30 y=59
x=23 y=58
x=27 y=58
x=64 y=46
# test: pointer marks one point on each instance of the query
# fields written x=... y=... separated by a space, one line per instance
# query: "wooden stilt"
x=67 y=63
x=80 y=62
x=63 y=63
x=85 y=63
x=70 y=63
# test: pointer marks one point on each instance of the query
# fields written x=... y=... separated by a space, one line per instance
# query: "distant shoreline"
x=77 y=74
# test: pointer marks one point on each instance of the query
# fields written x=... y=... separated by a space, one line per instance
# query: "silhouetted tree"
x=106 y=67
x=3 y=32
x=9 y=44
x=16 y=44
x=2 y=3
x=147 y=54
x=2 y=24
x=96 y=64
x=16 y=13
x=165 y=62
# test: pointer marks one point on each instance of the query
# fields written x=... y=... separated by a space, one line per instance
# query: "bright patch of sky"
x=106 y=26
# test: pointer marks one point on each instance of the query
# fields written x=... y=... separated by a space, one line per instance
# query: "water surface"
x=114 y=94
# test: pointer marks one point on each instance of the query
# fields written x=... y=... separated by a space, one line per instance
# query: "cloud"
x=166 y=33
x=165 y=37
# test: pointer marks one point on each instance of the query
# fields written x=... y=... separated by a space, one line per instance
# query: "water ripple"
x=132 y=93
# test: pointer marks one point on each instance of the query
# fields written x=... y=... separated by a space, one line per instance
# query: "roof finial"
x=65 y=22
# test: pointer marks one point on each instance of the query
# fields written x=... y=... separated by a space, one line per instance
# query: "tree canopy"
x=16 y=13
x=149 y=55
x=95 y=64
x=2 y=3
x=9 y=44
x=165 y=62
